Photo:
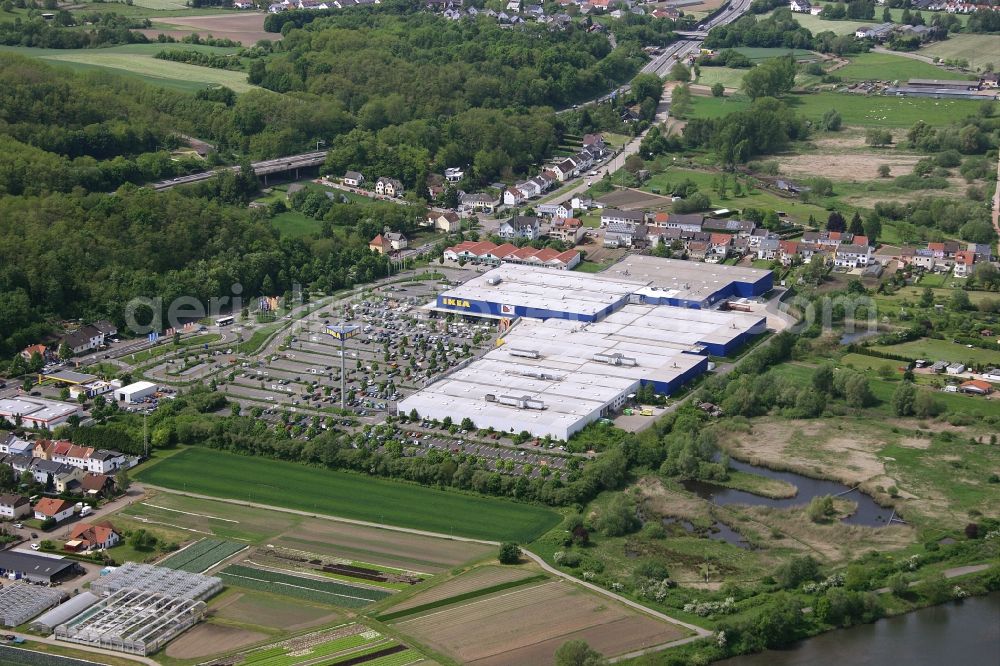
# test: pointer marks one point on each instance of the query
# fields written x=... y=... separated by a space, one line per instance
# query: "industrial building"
x=36 y=568
x=135 y=392
x=37 y=412
x=580 y=346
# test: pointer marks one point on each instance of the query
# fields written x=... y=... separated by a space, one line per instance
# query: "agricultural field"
x=346 y=643
x=138 y=60
x=760 y=54
x=244 y=27
x=469 y=582
x=202 y=555
x=979 y=50
x=301 y=587
x=270 y=612
x=305 y=488
x=527 y=624
x=861 y=110
x=728 y=76
x=889 y=67
x=181 y=518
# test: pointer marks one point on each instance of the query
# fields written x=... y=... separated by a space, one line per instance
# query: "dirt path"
x=996 y=202
x=905 y=54
x=948 y=573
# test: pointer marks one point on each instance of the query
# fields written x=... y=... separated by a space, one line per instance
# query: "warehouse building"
x=582 y=345
x=36 y=568
x=37 y=412
x=135 y=392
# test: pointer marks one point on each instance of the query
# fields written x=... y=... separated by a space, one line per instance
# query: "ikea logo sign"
x=456 y=303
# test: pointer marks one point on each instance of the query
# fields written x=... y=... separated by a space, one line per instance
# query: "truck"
x=86 y=511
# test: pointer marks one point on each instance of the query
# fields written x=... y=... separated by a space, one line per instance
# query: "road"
x=262 y=168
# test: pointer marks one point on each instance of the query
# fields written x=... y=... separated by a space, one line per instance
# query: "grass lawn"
x=977 y=49
x=942 y=350
x=138 y=60
x=727 y=76
x=146 y=354
x=757 y=198
x=293 y=224
x=349 y=495
x=875 y=110
x=759 y=54
x=589 y=267
x=886 y=66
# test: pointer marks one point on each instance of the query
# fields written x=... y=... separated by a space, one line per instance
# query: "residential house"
x=558 y=210
x=530 y=188
x=698 y=250
x=97 y=484
x=453 y=174
x=624 y=234
x=397 y=241
x=580 y=202
x=685 y=222
x=613 y=215
x=569 y=230
x=519 y=227
x=512 y=196
x=353 y=179
x=446 y=222
x=85 y=339
x=788 y=252
x=28 y=352
x=878 y=33
x=546 y=179
x=802 y=6
x=9 y=442
x=565 y=169
x=963 y=263
x=667 y=13
x=742 y=228
x=758 y=235
x=92 y=536
x=989 y=80
x=852 y=256
x=56 y=509
x=13 y=507
x=768 y=249
x=380 y=244
x=982 y=251
x=480 y=201
x=68 y=480
x=718 y=248
x=389 y=187
x=244 y=4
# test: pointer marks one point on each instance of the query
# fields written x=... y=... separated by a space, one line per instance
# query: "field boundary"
x=465 y=596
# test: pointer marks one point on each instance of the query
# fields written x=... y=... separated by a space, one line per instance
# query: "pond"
x=868 y=512
x=965 y=633
x=717 y=532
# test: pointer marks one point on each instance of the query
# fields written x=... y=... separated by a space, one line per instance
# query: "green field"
x=759 y=54
x=979 y=50
x=860 y=110
x=293 y=224
x=727 y=76
x=138 y=60
x=888 y=67
x=942 y=350
x=349 y=495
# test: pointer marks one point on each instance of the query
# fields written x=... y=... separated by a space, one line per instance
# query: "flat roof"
x=546 y=289
x=36 y=408
x=137 y=386
x=565 y=377
x=680 y=279
x=71 y=377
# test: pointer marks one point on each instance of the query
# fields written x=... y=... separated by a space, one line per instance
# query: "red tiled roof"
x=504 y=250
x=50 y=507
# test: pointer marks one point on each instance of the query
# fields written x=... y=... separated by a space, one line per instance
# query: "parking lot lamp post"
x=342 y=332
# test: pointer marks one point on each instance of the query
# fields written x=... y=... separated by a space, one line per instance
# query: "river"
x=965 y=633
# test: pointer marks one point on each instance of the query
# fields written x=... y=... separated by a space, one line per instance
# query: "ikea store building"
x=581 y=344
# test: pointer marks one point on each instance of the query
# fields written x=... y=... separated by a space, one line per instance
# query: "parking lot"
x=398 y=348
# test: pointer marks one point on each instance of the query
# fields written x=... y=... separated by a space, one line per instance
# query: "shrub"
x=510 y=553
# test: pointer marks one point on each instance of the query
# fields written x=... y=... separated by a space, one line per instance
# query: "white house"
x=613 y=215
x=447 y=222
x=353 y=179
x=453 y=174
x=565 y=169
x=389 y=187
x=519 y=227
x=853 y=256
x=396 y=240
x=558 y=210
x=57 y=509
x=802 y=6
x=512 y=196
x=13 y=507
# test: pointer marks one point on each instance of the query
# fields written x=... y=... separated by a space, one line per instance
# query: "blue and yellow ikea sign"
x=455 y=303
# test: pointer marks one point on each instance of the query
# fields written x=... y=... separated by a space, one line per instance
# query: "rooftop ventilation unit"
x=525 y=353
x=522 y=402
x=537 y=374
x=494 y=280
x=616 y=359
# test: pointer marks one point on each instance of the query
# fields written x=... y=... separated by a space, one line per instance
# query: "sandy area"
x=206 y=639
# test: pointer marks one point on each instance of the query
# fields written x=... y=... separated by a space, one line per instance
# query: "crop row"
x=269 y=658
x=308 y=589
x=202 y=555
x=399 y=659
x=465 y=596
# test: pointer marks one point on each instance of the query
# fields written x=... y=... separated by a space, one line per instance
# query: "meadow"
x=866 y=111
x=979 y=50
x=138 y=60
x=888 y=67
x=348 y=495
x=942 y=350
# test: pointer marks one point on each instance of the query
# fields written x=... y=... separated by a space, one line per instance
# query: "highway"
x=263 y=168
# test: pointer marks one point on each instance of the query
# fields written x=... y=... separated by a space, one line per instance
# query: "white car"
x=35 y=546
x=18 y=525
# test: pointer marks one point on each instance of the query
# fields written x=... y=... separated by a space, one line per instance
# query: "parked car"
x=35 y=546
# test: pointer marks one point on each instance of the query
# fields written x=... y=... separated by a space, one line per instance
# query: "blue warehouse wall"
x=667 y=388
x=487 y=307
